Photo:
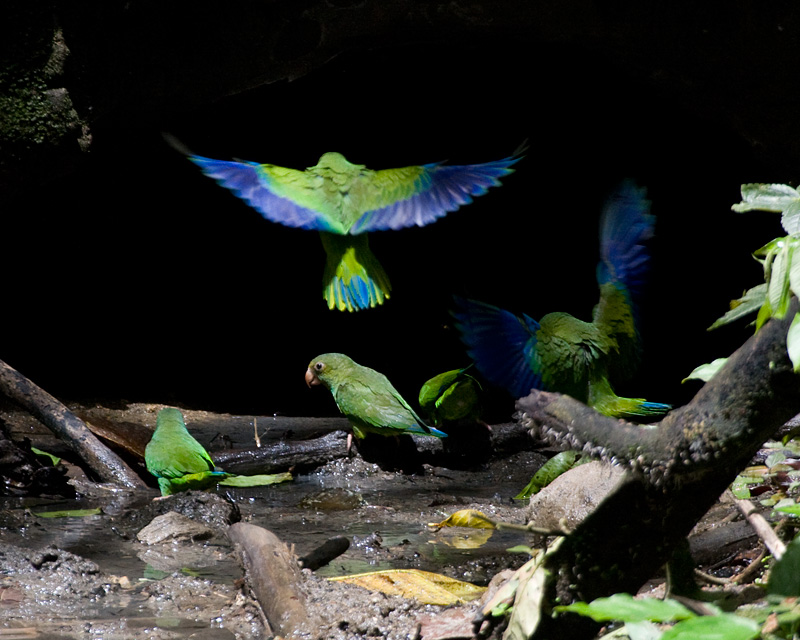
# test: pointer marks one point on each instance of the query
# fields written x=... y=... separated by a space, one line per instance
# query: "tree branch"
x=679 y=468
x=67 y=426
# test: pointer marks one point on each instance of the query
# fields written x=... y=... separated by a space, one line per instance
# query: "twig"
x=775 y=545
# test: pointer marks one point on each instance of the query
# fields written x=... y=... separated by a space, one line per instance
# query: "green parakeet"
x=366 y=397
x=345 y=201
x=178 y=460
x=450 y=397
x=561 y=353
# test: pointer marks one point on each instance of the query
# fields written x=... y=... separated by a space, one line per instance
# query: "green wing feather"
x=374 y=407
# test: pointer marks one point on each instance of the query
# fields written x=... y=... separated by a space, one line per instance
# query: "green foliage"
x=784 y=577
x=688 y=626
x=257 y=480
x=69 y=513
x=54 y=460
x=706 y=371
x=548 y=472
x=781 y=270
x=626 y=608
x=751 y=301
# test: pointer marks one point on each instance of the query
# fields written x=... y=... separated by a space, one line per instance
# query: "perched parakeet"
x=561 y=353
x=450 y=397
x=345 y=201
x=366 y=398
x=178 y=460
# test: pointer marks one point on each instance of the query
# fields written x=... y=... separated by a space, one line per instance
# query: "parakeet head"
x=337 y=162
x=327 y=369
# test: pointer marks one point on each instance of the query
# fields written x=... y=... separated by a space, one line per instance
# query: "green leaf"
x=766 y=197
x=764 y=314
x=548 y=472
x=784 y=578
x=740 y=487
x=770 y=248
x=725 y=626
x=793 y=342
x=54 y=459
x=776 y=457
x=794 y=267
x=706 y=371
x=258 y=480
x=69 y=513
x=642 y=630
x=778 y=284
x=521 y=548
x=751 y=301
x=626 y=608
x=788 y=506
x=790 y=220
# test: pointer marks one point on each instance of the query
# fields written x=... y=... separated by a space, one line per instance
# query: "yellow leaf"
x=424 y=586
x=466 y=518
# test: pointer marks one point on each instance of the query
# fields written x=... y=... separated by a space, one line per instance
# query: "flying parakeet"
x=366 y=398
x=561 y=353
x=178 y=460
x=451 y=396
x=345 y=201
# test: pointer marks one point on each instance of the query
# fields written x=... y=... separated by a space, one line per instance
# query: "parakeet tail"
x=603 y=399
x=633 y=408
x=353 y=278
x=425 y=430
x=502 y=345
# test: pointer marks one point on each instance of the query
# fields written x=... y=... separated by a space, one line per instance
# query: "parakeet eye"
x=319 y=366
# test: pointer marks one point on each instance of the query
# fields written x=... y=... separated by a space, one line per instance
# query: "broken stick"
x=275 y=578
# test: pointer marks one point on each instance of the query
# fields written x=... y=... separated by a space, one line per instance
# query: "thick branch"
x=680 y=468
x=717 y=433
x=67 y=426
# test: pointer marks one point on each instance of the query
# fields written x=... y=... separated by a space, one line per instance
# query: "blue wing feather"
x=625 y=227
x=245 y=180
x=502 y=345
x=438 y=190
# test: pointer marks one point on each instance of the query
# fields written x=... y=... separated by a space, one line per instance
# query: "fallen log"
x=281 y=456
x=108 y=466
x=275 y=579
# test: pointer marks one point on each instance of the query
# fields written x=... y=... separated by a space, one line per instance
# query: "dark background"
x=139 y=279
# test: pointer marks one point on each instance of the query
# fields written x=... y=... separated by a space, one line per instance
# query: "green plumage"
x=562 y=353
x=578 y=357
x=366 y=397
x=343 y=201
x=451 y=396
x=178 y=460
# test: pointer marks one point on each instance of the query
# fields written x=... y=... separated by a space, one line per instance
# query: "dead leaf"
x=424 y=586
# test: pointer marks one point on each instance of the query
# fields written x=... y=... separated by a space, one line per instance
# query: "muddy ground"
x=91 y=577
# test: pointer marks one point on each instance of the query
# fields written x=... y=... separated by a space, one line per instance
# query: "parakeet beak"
x=311 y=378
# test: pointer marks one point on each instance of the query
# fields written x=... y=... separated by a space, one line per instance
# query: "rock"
x=573 y=495
x=172 y=527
